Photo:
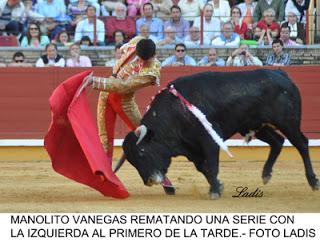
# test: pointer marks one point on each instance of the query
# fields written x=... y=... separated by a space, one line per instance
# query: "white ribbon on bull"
x=140 y=132
x=203 y=120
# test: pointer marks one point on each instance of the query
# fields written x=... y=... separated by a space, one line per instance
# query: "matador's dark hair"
x=145 y=49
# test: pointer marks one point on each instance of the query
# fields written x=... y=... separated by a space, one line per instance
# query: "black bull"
x=234 y=102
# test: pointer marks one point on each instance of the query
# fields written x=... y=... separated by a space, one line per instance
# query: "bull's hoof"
x=169 y=190
x=316 y=186
x=266 y=179
x=214 y=196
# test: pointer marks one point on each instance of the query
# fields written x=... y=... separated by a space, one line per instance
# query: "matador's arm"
x=133 y=83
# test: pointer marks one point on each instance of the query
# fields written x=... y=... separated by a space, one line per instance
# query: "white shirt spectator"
x=190 y=10
x=211 y=29
x=58 y=62
x=223 y=11
x=84 y=28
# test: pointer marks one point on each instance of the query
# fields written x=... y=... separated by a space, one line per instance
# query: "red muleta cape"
x=73 y=143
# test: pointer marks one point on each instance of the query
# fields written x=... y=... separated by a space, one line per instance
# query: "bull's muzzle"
x=156 y=178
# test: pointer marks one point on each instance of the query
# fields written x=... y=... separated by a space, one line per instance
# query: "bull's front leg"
x=210 y=169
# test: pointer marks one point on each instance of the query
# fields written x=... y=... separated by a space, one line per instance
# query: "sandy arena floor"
x=35 y=187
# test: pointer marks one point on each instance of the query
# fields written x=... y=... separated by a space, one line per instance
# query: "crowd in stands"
x=178 y=24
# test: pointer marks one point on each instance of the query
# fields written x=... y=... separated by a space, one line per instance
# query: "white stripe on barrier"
x=118 y=142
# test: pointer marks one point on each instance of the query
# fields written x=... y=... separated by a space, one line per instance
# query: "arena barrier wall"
x=25 y=114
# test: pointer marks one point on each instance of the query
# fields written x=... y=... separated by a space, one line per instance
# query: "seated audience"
x=18 y=60
x=228 y=37
x=270 y=23
x=56 y=19
x=263 y=5
x=34 y=37
x=180 y=58
x=300 y=6
x=110 y=5
x=285 y=36
x=154 y=23
x=119 y=37
x=145 y=32
x=169 y=38
x=62 y=39
x=190 y=9
x=242 y=57
x=278 y=57
x=77 y=12
x=30 y=15
x=211 y=25
x=178 y=22
x=86 y=27
x=247 y=9
x=211 y=59
x=264 y=37
x=117 y=56
x=76 y=60
x=162 y=8
x=11 y=17
x=297 y=29
x=194 y=38
x=221 y=9
x=51 y=58
x=135 y=6
x=85 y=42
x=239 y=25
x=120 y=22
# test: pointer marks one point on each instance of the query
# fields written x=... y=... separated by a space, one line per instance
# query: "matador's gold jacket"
x=131 y=75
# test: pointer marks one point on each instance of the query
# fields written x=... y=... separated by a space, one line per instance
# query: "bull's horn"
x=141 y=132
x=120 y=163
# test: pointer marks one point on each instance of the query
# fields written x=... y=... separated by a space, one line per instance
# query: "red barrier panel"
x=24 y=94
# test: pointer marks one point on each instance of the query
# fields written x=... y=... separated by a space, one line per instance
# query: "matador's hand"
x=88 y=80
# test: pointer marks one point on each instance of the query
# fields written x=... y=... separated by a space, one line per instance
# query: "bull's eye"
x=141 y=152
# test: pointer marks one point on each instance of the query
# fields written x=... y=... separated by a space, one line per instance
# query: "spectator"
x=117 y=56
x=110 y=5
x=119 y=37
x=178 y=23
x=54 y=12
x=228 y=37
x=297 y=29
x=145 y=32
x=94 y=3
x=120 y=22
x=34 y=37
x=76 y=60
x=169 y=38
x=221 y=9
x=190 y=9
x=278 y=57
x=135 y=6
x=162 y=8
x=11 y=14
x=247 y=9
x=62 y=39
x=211 y=59
x=30 y=15
x=18 y=60
x=180 y=58
x=300 y=6
x=242 y=57
x=85 y=41
x=263 y=36
x=3 y=64
x=77 y=12
x=263 y=5
x=51 y=58
x=211 y=25
x=155 y=24
x=269 y=23
x=193 y=39
x=239 y=26
x=285 y=36
x=86 y=27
